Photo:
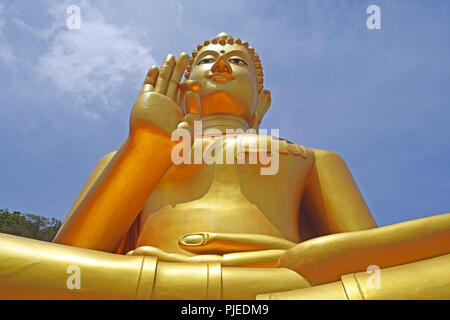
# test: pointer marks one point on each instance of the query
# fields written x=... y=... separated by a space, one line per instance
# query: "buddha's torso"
x=231 y=198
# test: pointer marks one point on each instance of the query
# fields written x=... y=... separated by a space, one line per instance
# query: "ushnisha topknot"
x=224 y=38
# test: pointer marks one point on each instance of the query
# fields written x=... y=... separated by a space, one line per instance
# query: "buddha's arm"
x=425 y=279
x=31 y=269
x=332 y=199
x=112 y=203
x=98 y=169
x=103 y=215
x=326 y=259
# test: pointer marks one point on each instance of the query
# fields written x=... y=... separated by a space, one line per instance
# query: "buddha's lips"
x=221 y=76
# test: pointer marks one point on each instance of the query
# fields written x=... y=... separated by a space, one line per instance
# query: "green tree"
x=28 y=225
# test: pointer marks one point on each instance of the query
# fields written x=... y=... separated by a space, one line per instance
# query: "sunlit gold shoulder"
x=262 y=142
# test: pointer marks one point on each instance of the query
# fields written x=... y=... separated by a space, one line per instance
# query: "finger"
x=158 y=253
x=147 y=88
x=164 y=74
x=172 y=257
x=261 y=259
x=188 y=85
x=219 y=243
x=177 y=73
x=151 y=76
x=188 y=97
x=193 y=104
x=254 y=259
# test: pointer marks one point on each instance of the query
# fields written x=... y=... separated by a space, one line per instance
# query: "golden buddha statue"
x=146 y=228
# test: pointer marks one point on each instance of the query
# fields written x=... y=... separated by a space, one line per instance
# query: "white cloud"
x=179 y=9
x=94 y=61
x=6 y=52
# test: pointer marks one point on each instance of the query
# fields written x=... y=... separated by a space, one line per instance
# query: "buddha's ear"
x=264 y=101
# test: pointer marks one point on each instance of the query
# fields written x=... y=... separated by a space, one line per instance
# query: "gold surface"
x=423 y=280
x=223 y=231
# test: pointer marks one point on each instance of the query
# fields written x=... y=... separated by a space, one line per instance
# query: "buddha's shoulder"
x=290 y=148
x=325 y=155
x=283 y=146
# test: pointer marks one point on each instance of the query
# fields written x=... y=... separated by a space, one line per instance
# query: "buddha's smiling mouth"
x=221 y=76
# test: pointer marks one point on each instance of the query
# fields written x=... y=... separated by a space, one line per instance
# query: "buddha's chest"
x=226 y=198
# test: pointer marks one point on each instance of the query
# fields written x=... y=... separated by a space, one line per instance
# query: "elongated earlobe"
x=264 y=101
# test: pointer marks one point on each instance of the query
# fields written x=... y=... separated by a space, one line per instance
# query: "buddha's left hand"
x=230 y=249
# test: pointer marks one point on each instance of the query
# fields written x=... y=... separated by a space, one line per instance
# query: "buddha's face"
x=227 y=79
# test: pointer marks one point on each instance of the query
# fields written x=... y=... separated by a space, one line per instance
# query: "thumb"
x=221 y=243
x=188 y=97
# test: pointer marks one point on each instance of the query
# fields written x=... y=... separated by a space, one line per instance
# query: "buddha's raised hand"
x=157 y=107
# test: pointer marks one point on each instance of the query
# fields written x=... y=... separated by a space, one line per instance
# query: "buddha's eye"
x=207 y=60
x=238 y=61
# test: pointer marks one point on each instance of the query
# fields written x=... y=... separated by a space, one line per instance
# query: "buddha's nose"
x=221 y=66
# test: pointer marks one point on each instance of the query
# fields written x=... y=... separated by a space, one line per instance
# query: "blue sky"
x=379 y=98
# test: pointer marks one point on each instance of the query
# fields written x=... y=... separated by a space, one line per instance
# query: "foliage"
x=28 y=225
